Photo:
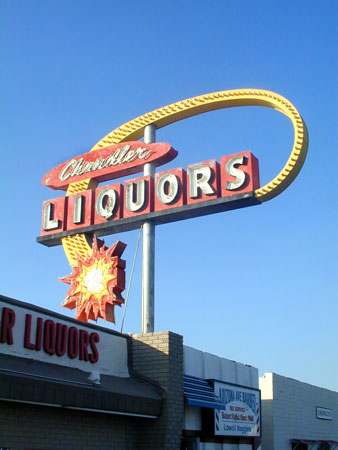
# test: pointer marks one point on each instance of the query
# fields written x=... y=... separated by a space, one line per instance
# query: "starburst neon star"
x=96 y=283
x=94 y=280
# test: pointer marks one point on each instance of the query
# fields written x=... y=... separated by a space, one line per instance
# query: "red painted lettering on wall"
x=27 y=339
x=61 y=339
x=84 y=342
x=73 y=342
x=7 y=324
x=38 y=337
x=93 y=339
x=49 y=337
x=53 y=338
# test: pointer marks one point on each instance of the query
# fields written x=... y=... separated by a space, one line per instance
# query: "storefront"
x=222 y=403
x=67 y=384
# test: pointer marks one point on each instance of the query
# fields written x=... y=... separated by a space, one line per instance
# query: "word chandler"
x=108 y=163
x=172 y=195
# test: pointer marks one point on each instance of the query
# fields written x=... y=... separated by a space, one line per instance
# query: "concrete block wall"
x=289 y=412
x=24 y=427
x=266 y=387
x=159 y=357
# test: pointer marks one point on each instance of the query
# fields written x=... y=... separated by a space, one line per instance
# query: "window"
x=299 y=446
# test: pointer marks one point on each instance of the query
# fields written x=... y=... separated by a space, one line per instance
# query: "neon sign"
x=176 y=194
x=204 y=188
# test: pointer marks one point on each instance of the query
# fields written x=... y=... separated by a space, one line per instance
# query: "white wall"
x=266 y=387
x=206 y=365
x=289 y=412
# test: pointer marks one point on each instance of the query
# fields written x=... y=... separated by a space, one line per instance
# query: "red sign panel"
x=176 y=194
x=108 y=163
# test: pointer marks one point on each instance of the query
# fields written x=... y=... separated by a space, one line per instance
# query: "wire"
x=130 y=279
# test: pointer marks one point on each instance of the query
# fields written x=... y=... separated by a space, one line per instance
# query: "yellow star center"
x=93 y=280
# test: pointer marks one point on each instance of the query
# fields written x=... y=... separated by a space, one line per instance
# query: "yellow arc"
x=82 y=244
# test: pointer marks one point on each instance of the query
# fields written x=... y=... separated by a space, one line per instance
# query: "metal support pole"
x=148 y=261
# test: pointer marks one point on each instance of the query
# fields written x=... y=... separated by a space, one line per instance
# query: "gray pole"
x=148 y=260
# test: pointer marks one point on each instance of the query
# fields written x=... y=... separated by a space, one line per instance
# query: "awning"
x=30 y=381
x=312 y=443
x=198 y=392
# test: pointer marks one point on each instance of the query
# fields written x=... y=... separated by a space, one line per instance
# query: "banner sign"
x=29 y=333
x=242 y=413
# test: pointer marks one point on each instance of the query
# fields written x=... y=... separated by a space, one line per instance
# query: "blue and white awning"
x=198 y=392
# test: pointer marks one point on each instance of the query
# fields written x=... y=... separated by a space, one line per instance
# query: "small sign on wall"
x=241 y=415
x=323 y=413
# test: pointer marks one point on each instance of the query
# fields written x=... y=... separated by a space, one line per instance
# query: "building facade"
x=66 y=384
x=231 y=421
x=297 y=415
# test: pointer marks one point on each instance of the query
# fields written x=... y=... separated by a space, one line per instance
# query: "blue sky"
x=257 y=285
